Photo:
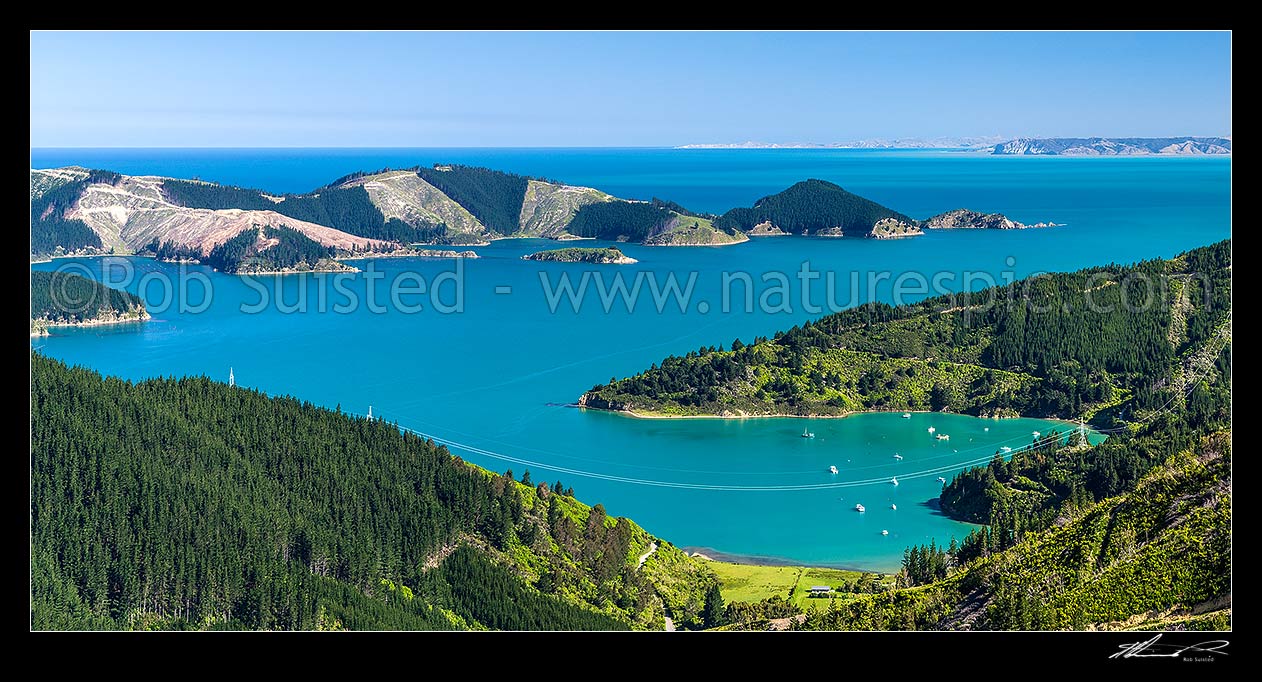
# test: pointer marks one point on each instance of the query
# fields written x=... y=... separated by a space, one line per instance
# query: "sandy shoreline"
x=710 y=554
x=641 y=415
x=658 y=415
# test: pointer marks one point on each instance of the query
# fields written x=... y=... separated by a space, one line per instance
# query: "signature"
x=1153 y=649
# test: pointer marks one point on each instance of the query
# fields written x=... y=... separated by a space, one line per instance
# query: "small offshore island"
x=602 y=256
x=60 y=299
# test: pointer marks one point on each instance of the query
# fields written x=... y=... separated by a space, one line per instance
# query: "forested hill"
x=270 y=250
x=189 y=504
x=1062 y=345
x=812 y=207
x=495 y=197
x=62 y=298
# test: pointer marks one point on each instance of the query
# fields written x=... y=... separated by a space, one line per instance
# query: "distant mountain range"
x=1114 y=146
x=1026 y=146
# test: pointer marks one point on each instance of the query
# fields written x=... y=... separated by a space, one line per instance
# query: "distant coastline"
x=1190 y=145
x=980 y=142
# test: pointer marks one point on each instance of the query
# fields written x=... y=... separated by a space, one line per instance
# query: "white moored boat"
x=941 y=480
x=885 y=532
x=931 y=429
x=894 y=480
x=832 y=469
x=807 y=434
x=943 y=436
x=859 y=508
x=894 y=507
x=897 y=456
x=906 y=415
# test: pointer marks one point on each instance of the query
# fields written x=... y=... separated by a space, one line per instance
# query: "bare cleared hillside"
x=44 y=181
x=132 y=213
x=548 y=208
x=405 y=195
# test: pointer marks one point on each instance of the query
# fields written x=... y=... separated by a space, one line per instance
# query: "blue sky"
x=255 y=89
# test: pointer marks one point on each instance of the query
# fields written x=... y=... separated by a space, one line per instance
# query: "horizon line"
x=688 y=145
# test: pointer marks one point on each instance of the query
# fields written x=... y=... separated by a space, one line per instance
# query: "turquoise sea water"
x=498 y=375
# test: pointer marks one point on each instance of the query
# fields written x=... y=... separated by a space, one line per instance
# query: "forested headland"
x=654 y=223
x=271 y=250
x=63 y=298
x=1063 y=345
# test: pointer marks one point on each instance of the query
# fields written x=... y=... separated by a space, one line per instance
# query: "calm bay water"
x=498 y=375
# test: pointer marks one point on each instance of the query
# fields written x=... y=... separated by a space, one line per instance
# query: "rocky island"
x=964 y=219
x=893 y=228
x=601 y=256
x=766 y=229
